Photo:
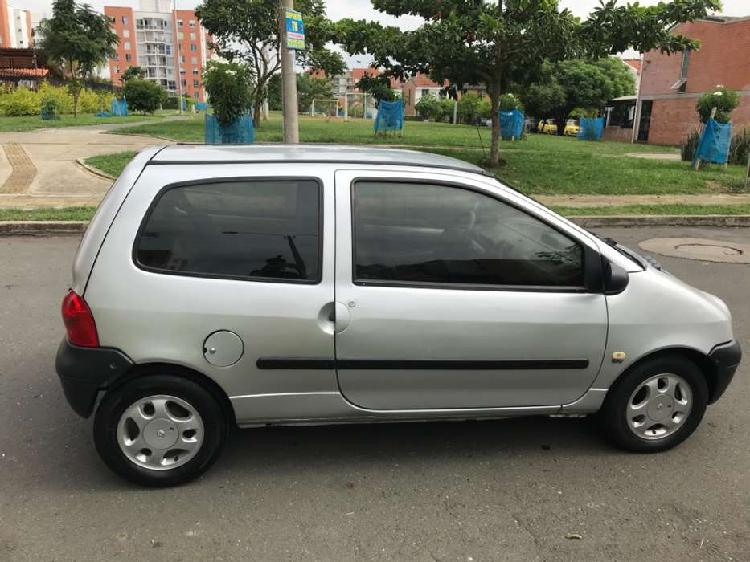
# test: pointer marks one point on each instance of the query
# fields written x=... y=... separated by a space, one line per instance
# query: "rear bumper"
x=726 y=358
x=84 y=371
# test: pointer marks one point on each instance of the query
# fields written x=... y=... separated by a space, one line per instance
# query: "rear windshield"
x=252 y=229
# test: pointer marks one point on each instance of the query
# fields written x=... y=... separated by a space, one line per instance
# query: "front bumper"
x=725 y=358
x=84 y=371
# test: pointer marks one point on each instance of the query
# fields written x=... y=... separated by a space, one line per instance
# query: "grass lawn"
x=111 y=164
x=31 y=122
x=86 y=213
x=541 y=164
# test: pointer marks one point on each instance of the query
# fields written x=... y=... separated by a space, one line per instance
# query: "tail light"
x=79 y=322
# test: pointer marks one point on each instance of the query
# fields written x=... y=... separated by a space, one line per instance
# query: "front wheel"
x=159 y=430
x=656 y=406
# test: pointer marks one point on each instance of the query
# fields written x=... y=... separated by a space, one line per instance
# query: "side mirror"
x=616 y=279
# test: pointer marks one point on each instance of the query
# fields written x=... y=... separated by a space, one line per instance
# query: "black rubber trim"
x=726 y=358
x=275 y=363
x=83 y=371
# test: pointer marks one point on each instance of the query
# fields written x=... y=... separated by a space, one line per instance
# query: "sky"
x=362 y=9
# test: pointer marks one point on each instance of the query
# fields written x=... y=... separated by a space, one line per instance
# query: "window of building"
x=126 y=46
x=115 y=57
x=184 y=82
x=117 y=69
x=182 y=71
x=179 y=23
x=125 y=20
x=196 y=84
x=192 y=36
x=248 y=229
x=196 y=72
x=126 y=33
x=192 y=23
x=437 y=234
x=128 y=58
x=193 y=47
x=182 y=58
x=196 y=95
x=168 y=49
x=180 y=35
x=193 y=60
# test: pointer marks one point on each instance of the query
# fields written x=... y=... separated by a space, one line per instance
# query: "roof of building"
x=301 y=153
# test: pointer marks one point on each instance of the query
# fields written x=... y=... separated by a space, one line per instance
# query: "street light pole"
x=288 y=79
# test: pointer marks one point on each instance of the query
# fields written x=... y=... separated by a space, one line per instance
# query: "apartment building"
x=170 y=45
x=16 y=29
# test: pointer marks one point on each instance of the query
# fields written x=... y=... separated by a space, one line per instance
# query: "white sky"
x=362 y=9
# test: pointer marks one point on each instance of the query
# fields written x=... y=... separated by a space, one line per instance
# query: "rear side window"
x=251 y=229
x=439 y=234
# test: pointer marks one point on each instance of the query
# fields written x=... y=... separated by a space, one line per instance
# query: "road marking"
x=23 y=169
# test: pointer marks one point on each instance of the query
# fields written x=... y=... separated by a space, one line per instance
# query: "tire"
x=617 y=418
x=187 y=426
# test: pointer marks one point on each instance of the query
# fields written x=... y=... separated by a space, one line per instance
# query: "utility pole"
x=288 y=79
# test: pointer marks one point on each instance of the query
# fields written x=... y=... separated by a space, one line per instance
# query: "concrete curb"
x=41 y=228
x=53 y=228
x=92 y=170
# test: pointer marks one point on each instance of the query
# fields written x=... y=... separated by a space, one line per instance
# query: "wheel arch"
x=700 y=359
x=144 y=369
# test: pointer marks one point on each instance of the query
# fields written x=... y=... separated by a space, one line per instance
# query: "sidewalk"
x=39 y=168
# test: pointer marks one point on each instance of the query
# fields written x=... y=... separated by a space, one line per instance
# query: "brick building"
x=671 y=85
x=160 y=41
x=16 y=29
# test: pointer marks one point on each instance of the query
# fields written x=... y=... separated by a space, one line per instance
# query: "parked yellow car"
x=549 y=127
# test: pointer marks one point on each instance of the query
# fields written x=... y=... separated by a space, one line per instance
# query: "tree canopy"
x=502 y=42
x=577 y=84
x=248 y=30
x=134 y=72
x=76 y=40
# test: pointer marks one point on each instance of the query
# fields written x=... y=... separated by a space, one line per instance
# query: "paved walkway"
x=39 y=168
x=706 y=199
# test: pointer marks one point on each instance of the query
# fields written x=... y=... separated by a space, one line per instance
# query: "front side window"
x=254 y=229
x=436 y=234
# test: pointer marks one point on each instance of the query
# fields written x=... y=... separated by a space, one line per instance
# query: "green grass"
x=111 y=164
x=31 y=122
x=62 y=214
x=541 y=164
x=86 y=213
x=676 y=209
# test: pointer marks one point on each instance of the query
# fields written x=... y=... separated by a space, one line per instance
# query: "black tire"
x=116 y=401
x=613 y=412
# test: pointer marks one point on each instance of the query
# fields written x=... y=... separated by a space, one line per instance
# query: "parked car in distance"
x=571 y=128
x=248 y=286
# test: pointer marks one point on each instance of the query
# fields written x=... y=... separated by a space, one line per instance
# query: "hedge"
x=22 y=101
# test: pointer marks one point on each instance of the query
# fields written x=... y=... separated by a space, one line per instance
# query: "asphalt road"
x=523 y=489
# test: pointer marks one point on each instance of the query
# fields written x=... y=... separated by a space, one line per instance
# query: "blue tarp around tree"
x=119 y=107
x=511 y=124
x=592 y=128
x=201 y=106
x=241 y=131
x=714 y=143
x=390 y=116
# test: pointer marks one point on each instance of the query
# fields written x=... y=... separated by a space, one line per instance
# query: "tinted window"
x=438 y=234
x=263 y=229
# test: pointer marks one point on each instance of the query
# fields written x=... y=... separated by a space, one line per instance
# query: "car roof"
x=307 y=153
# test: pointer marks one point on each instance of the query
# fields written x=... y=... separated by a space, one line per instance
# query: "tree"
x=134 y=72
x=273 y=93
x=247 y=30
x=228 y=85
x=76 y=39
x=310 y=88
x=723 y=99
x=434 y=108
x=378 y=86
x=144 y=95
x=578 y=84
x=503 y=42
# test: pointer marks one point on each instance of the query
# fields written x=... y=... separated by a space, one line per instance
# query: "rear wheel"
x=159 y=430
x=656 y=405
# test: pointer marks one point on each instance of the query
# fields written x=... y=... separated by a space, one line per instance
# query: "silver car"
x=223 y=286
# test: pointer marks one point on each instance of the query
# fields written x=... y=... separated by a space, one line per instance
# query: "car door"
x=450 y=297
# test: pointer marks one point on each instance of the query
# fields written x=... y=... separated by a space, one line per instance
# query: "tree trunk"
x=257 y=107
x=495 y=115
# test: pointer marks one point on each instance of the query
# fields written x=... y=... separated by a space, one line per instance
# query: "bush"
x=739 y=150
x=143 y=95
x=20 y=102
x=469 y=108
x=59 y=94
x=509 y=102
x=434 y=108
x=724 y=100
x=229 y=86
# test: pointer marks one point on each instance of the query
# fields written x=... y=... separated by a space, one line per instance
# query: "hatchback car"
x=222 y=286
